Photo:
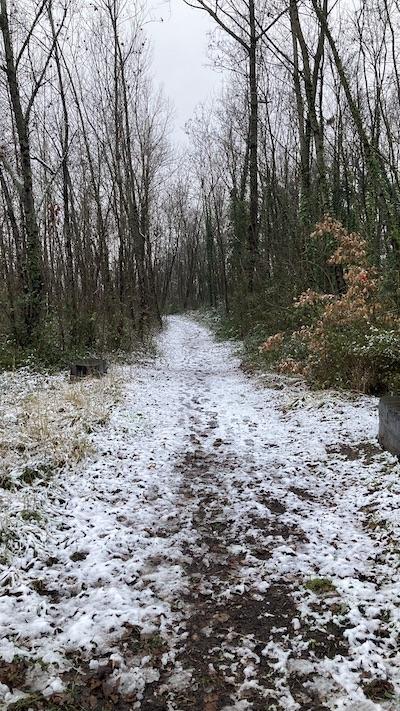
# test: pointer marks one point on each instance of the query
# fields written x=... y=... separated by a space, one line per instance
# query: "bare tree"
x=32 y=271
x=246 y=27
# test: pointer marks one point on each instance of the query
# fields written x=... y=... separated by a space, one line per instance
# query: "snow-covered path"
x=231 y=543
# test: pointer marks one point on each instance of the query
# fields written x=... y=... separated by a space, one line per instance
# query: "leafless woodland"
x=103 y=226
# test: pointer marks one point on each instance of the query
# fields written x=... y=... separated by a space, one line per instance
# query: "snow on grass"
x=99 y=553
x=94 y=550
x=45 y=423
x=317 y=453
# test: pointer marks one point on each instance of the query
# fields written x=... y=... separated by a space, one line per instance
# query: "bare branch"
x=202 y=5
x=39 y=81
x=30 y=32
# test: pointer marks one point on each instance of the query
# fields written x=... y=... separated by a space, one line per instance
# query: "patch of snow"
x=307 y=493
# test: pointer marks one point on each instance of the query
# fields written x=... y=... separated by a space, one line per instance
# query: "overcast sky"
x=181 y=62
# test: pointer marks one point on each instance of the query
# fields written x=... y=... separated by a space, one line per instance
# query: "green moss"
x=320 y=586
x=31 y=474
x=155 y=643
x=28 y=515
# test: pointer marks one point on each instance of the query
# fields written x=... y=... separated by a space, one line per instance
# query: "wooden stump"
x=389 y=424
x=93 y=368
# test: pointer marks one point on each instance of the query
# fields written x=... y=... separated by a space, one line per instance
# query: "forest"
x=283 y=214
x=199 y=500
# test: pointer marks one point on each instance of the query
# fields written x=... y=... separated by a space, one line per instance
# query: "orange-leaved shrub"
x=349 y=339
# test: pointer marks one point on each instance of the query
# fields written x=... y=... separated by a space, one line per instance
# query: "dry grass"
x=51 y=426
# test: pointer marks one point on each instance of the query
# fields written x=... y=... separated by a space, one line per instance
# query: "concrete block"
x=389 y=423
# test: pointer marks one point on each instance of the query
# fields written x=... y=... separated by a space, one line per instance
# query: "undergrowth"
x=345 y=338
x=51 y=351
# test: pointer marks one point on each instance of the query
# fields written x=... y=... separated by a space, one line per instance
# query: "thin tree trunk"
x=34 y=288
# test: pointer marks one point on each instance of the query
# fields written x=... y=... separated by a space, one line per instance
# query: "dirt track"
x=239 y=541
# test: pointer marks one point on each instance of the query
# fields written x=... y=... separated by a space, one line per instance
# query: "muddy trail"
x=234 y=547
x=232 y=630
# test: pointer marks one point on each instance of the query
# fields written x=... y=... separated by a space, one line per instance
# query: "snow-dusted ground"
x=196 y=538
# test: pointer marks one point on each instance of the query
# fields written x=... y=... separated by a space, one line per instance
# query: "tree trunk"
x=34 y=288
x=253 y=149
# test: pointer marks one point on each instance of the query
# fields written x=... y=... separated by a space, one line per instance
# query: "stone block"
x=389 y=423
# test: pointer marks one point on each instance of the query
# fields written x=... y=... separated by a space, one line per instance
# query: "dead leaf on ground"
x=211 y=702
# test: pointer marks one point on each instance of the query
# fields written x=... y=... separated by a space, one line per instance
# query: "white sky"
x=181 y=63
